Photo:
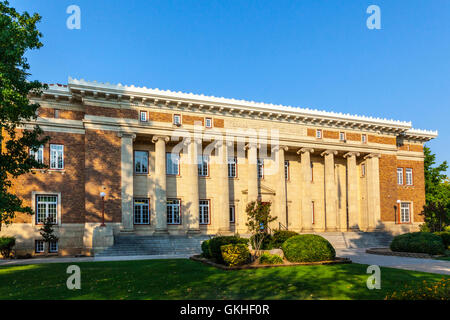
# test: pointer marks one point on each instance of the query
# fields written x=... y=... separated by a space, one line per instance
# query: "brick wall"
x=382 y=140
x=159 y=116
x=187 y=119
x=63 y=114
x=112 y=112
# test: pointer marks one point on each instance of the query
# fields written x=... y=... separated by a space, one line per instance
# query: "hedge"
x=308 y=248
x=235 y=254
x=267 y=241
x=217 y=242
x=205 y=249
x=280 y=236
x=445 y=236
x=267 y=258
x=418 y=242
x=6 y=246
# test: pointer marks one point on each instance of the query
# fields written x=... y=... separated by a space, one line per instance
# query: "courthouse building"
x=181 y=163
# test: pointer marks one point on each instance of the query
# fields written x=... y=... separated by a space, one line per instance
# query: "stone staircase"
x=347 y=240
x=135 y=245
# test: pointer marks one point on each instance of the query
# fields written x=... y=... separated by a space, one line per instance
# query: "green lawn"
x=186 y=279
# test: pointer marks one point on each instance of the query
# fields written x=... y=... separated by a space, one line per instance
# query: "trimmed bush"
x=267 y=258
x=205 y=249
x=418 y=242
x=267 y=242
x=445 y=236
x=280 y=236
x=235 y=254
x=308 y=248
x=217 y=242
x=6 y=246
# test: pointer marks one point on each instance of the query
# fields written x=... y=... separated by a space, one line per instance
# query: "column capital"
x=351 y=154
x=280 y=147
x=188 y=141
x=165 y=139
x=372 y=155
x=251 y=145
x=303 y=150
x=329 y=152
x=122 y=134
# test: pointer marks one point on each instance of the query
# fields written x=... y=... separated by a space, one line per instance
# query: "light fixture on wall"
x=102 y=195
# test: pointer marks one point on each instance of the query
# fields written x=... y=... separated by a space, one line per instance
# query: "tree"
x=47 y=233
x=258 y=223
x=436 y=213
x=18 y=34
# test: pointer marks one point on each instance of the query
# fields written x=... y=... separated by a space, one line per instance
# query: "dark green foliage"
x=217 y=242
x=6 y=246
x=418 y=242
x=258 y=219
x=47 y=232
x=205 y=249
x=235 y=254
x=445 y=236
x=266 y=241
x=280 y=236
x=267 y=258
x=308 y=248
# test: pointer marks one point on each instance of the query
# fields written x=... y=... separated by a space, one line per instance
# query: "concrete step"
x=345 y=240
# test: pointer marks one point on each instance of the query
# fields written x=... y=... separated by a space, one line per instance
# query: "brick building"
x=180 y=163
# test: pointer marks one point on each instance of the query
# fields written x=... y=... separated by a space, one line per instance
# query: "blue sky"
x=315 y=53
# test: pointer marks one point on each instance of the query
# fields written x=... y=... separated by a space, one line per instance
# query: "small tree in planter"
x=258 y=222
x=47 y=233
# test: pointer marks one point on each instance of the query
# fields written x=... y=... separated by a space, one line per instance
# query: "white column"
x=252 y=158
x=373 y=191
x=126 y=156
x=352 y=190
x=330 y=191
x=306 y=200
x=192 y=206
x=223 y=213
x=160 y=184
x=280 y=197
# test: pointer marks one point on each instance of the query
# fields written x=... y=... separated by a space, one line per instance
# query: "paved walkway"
x=416 y=264
x=356 y=255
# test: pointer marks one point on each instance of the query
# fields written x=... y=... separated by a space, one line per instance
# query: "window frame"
x=313 y=213
x=134 y=162
x=287 y=170
x=38 y=154
x=176 y=115
x=201 y=165
x=50 y=250
x=319 y=134
x=62 y=156
x=210 y=123
x=406 y=176
x=364 y=138
x=36 y=246
x=260 y=168
x=363 y=169
x=342 y=136
x=37 y=202
x=142 y=112
x=232 y=213
x=400 y=171
x=400 y=209
x=173 y=205
x=169 y=154
x=142 y=214
x=235 y=164
x=200 y=211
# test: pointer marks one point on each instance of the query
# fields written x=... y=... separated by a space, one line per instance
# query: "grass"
x=186 y=279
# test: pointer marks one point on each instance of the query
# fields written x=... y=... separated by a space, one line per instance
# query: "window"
x=208 y=123
x=177 y=119
x=319 y=133
x=39 y=246
x=409 y=176
x=56 y=156
x=286 y=169
x=399 y=175
x=173 y=164
x=232 y=213
x=141 y=211
x=363 y=170
x=405 y=216
x=312 y=212
x=173 y=211
x=364 y=138
x=38 y=155
x=260 y=166
x=143 y=116
x=141 y=162
x=204 y=212
x=232 y=162
x=203 y=165
x=53 y=247
x=342 y=136
x=56 y=113
x=46 y=208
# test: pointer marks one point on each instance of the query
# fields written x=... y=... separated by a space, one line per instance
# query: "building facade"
x=179 y=163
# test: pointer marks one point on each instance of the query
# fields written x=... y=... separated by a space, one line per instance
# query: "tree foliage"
x=47 y=233
x=18 y=34
x=258 y=215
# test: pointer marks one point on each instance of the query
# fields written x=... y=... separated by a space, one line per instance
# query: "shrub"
x=308 y=248
x=423 y=291
x=6 y=246
x=267 y=258
x=418 y=242
x=217 y=242
x=235 y=254
x=445 y=236
x=280 y=236
x=266 y=243
x=205 y=249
